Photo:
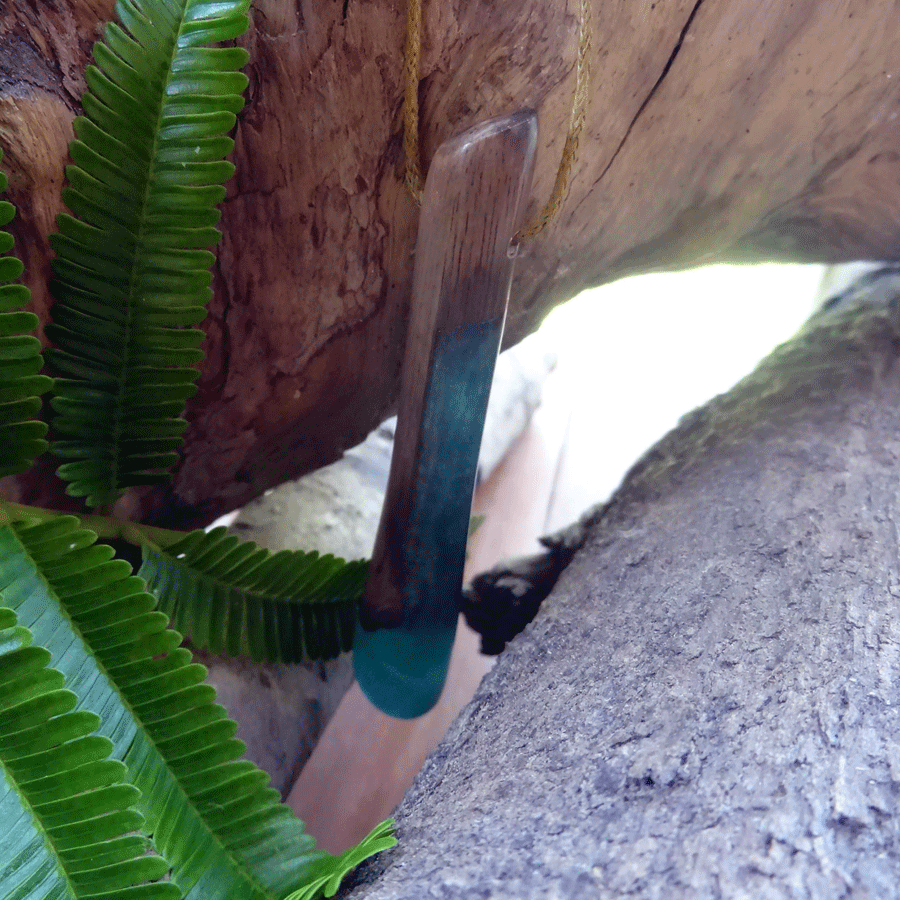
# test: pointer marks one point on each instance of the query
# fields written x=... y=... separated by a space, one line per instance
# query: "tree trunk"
x=706 y=706
x=714 y=131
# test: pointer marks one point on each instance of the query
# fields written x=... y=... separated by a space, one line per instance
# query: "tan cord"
x=411 y=54
x=413 y=173
x=576 y=125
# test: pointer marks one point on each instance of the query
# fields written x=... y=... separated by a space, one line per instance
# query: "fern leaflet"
x=232 y=597
x=70 y=829
x=21 y=435
x=131 y=271
x=224 y=833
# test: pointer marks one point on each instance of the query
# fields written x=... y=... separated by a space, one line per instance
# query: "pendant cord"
x=413 y=169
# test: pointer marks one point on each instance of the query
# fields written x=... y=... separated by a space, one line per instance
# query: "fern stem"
x=105 y=527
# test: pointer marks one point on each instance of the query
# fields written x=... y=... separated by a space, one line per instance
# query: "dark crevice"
x=669 y=63
x=222 y=370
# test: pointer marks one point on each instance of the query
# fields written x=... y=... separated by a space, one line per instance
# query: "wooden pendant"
x=463 y=270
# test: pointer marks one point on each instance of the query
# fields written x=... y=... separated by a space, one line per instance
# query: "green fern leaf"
x=21 y=435
x=232 y=597
x=69 y=826
x=131 y=271
x=325 y=881
x=211 y=816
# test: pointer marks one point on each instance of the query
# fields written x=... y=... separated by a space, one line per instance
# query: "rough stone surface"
x=516 y=392
x=707 y=705
x=281 y=709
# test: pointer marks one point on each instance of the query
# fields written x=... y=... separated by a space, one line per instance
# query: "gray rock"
x=281 y=709
x=516 y=393
x=852 y=283
x=707 y=705
x=838 y=278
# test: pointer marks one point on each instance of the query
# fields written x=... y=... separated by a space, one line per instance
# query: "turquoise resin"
x=402 y=670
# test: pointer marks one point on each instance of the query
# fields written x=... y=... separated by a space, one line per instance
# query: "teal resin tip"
x=401 y=670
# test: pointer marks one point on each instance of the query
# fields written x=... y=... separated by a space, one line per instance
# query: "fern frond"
x=325 y=883
x=21 y=435
x=224 y=833
x=232 y=597
x=68 y=818
x=131 y=271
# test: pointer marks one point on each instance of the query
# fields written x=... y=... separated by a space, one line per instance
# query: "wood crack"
x=666 y=68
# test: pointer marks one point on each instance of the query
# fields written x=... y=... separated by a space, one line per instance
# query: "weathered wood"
x=706 y=705
x=730 y=130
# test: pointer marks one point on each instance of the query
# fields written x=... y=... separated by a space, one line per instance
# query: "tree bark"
x=706 y=706
x=714 y=131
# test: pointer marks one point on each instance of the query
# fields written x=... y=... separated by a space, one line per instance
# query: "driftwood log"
x=714 y=131
x=707 y=704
